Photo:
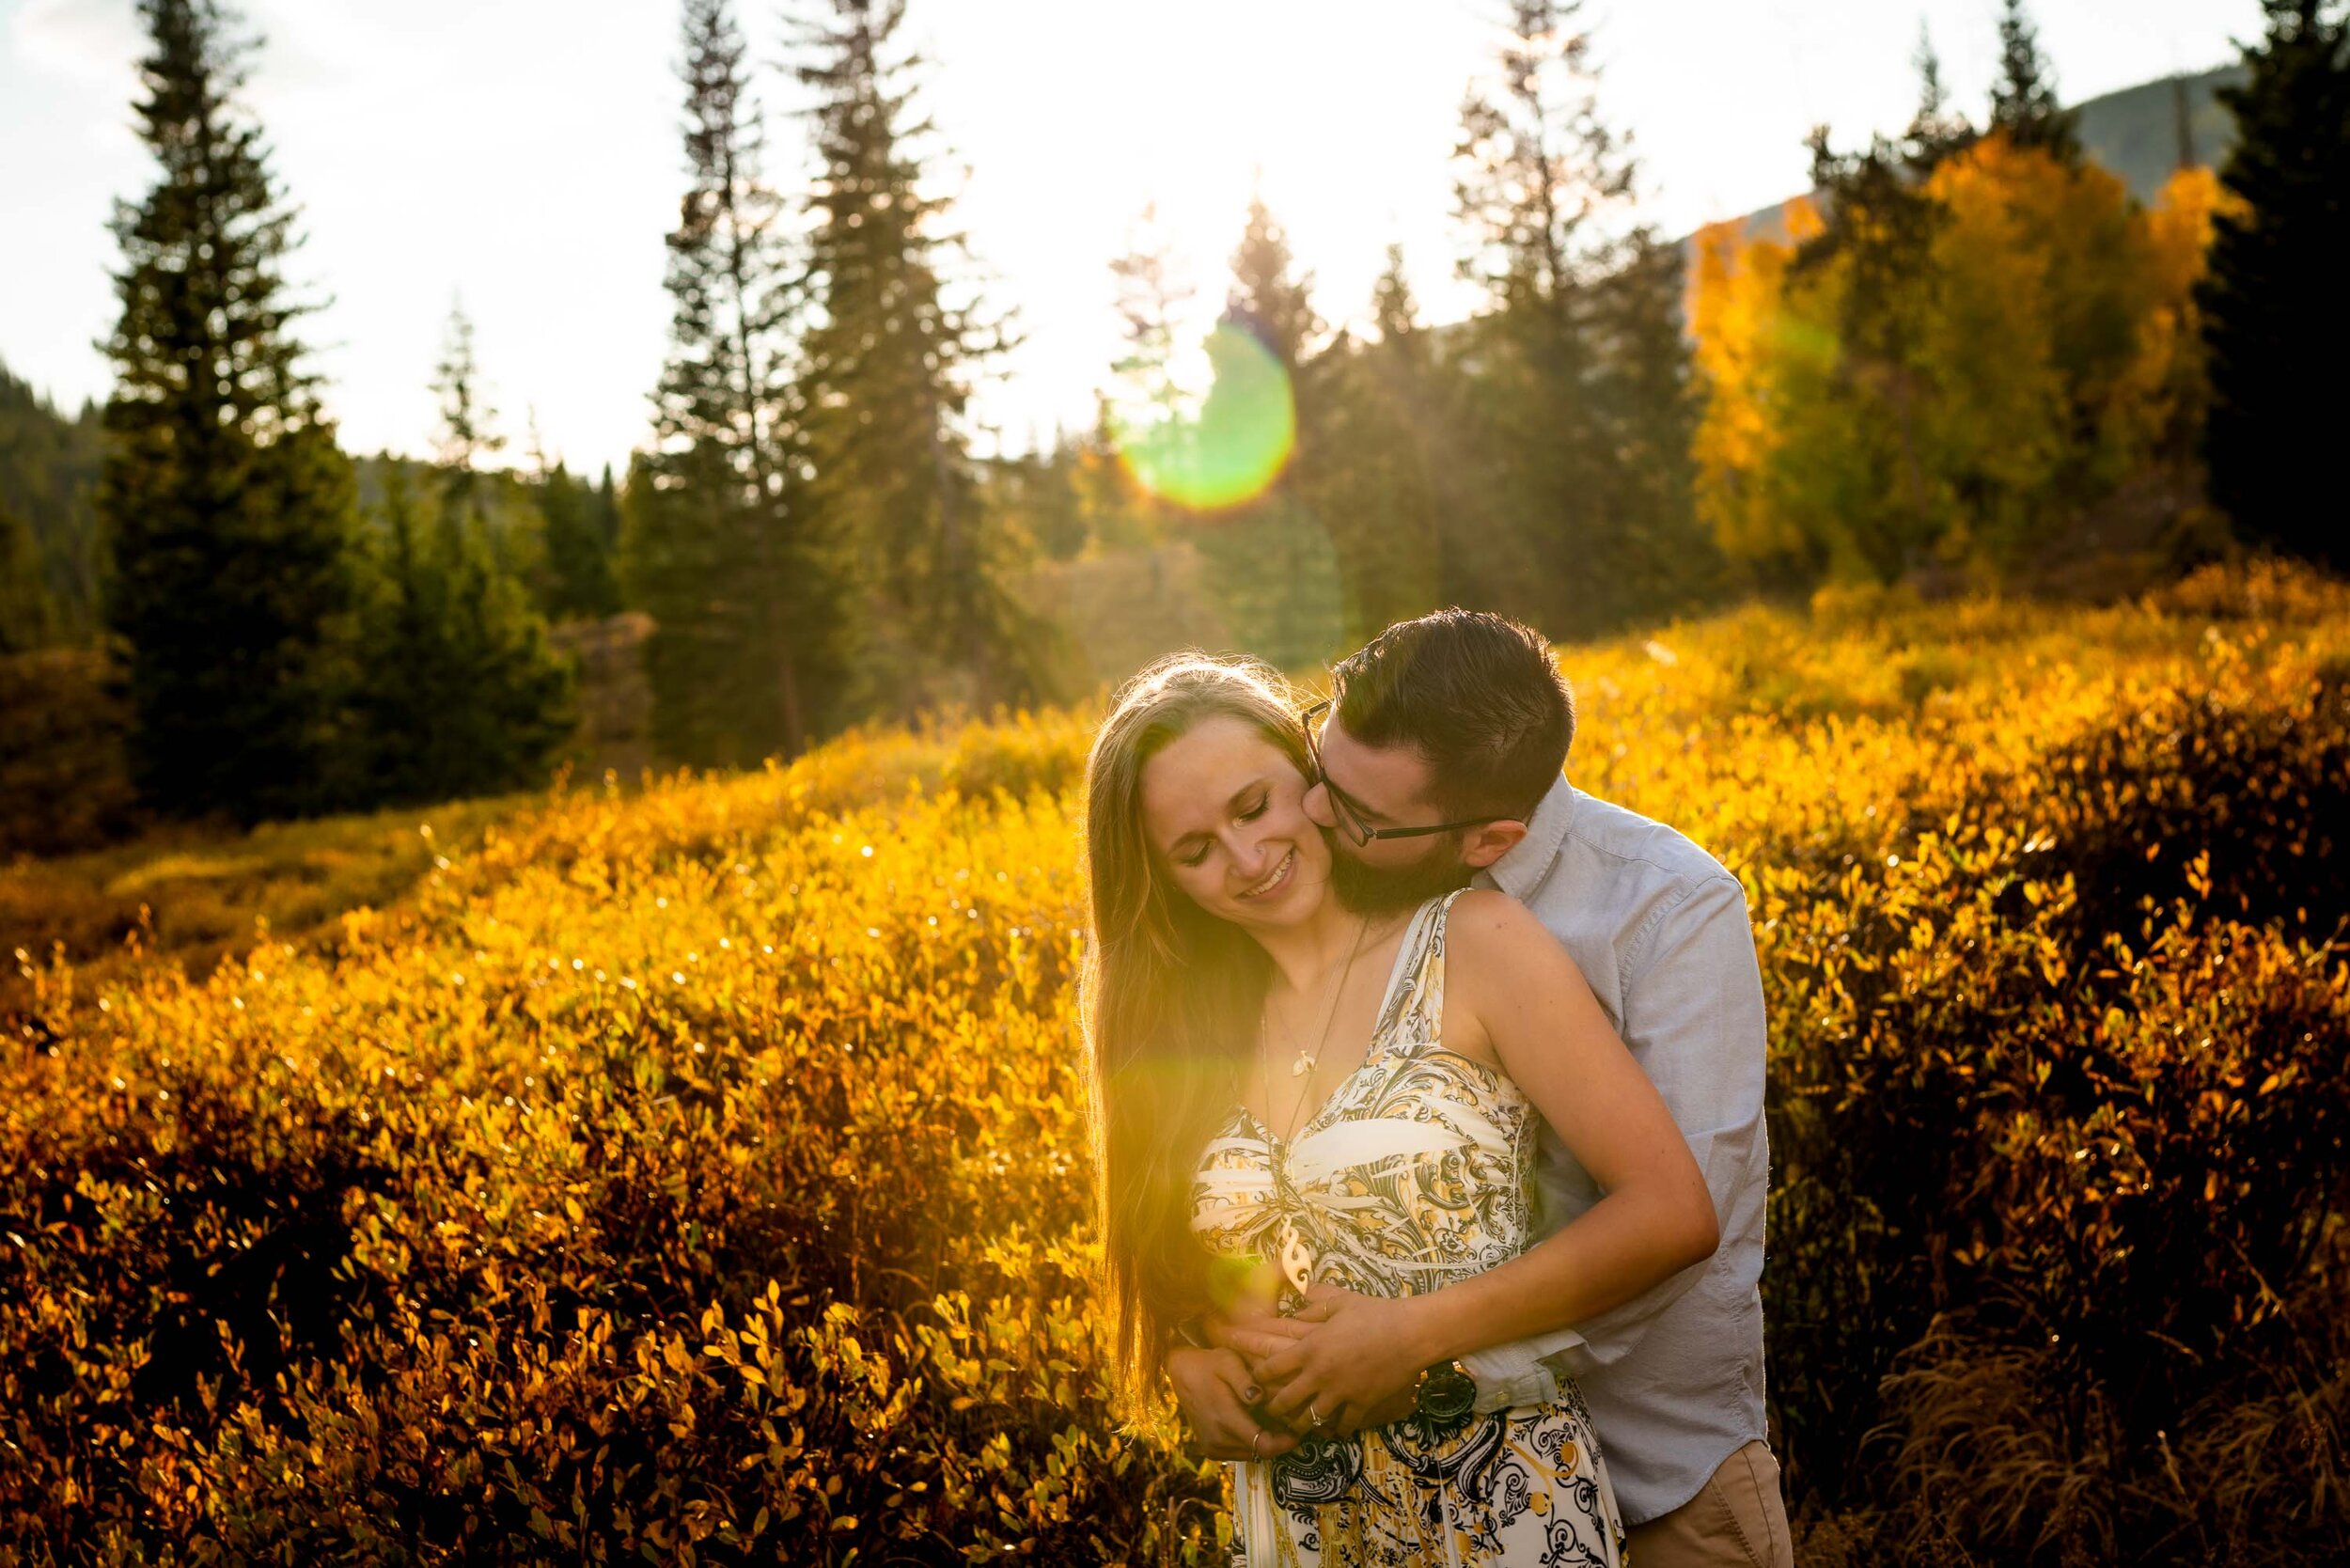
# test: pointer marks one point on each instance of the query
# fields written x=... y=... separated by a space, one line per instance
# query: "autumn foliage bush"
x=697 y=1173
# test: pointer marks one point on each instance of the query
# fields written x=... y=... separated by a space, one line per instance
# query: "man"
x=1440 y=757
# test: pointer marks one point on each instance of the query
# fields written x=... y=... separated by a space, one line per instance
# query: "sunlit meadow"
x=695 y=1171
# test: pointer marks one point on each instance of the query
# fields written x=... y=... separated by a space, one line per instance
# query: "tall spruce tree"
x=227 y=503
x=723 y=546
x=579 y=580
x=1370 y=480
x=1878 y=241
x=461 y=692
x=2274 y=307
x=1936 y=129
x=606 y=511
x=49 y=467
x=479 y=503
x=406 y=664
x=1870 y=259
x=1145 y=418
x=1268 y=294
x=1525 y=190
x=1150 y=293
x=889 y=354
x=508 y=705
x=28 y=617
x=505 y=693
x=468 y=422
x=1394 y=308
x=1652 y=558
x=1269 y=564
x=2024 y=101
x=1578 y=294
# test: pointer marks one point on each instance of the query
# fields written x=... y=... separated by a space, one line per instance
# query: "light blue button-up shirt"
x=1673 y=1377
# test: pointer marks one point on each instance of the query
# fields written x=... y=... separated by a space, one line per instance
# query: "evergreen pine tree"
x=607 y=513
x=888 y=358
x=1274 y=305
x=1936 y=129
x=461 y=692
x=49 y=466
x=507 y=706
x=406 y=662
x=1653 y=557
x=468 y=421
x=1146 y=423
x=2024 y=98
x=1150 y=296
x=1041 y=495
x=28 y=619
x=1270 y=565
x=580 y=583
x=723 y=546
x=226 y=502
x=1543 y=188
x=1879 y=241
x=480 y=504
x=2277 y=313
x=1371 y=481
x=1878 y=246
x=1118 y=513
x=1394 y=308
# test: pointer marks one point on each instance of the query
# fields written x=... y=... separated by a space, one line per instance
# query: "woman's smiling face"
x=1223 y=811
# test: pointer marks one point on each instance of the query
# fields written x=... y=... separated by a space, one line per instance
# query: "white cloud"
x=95 y=40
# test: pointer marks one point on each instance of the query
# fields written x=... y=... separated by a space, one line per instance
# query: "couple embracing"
x=1428 y=1100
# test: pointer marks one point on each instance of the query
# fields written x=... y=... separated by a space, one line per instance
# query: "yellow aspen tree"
x=2164 y=394
x=1738 y=317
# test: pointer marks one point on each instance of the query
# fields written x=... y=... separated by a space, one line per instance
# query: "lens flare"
x=1235 y=447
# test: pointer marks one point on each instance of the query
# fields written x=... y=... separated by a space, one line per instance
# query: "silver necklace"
x=1306 y=1061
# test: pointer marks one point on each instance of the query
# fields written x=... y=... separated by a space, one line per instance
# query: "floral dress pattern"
x=1415 y=1173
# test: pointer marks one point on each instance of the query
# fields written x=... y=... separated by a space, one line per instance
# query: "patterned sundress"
x=1417 y=1173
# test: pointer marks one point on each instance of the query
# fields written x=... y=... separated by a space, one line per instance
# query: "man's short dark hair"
x=1475 y=695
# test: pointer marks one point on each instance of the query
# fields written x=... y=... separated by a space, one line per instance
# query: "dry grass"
x=694 y=1172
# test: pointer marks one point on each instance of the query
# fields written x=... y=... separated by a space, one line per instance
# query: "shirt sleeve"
x=1693 y=1018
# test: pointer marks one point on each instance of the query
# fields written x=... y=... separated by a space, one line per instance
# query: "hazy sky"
x=524 y=154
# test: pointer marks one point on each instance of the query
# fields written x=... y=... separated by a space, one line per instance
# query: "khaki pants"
x=1736 y=1520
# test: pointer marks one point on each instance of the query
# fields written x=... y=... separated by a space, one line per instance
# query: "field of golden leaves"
x=696 y=1173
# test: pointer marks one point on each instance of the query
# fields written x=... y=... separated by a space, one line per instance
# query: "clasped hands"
x=1344 y=1362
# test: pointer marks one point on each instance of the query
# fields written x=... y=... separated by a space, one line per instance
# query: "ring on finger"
x=1313 y=1415
x=1255 y=1439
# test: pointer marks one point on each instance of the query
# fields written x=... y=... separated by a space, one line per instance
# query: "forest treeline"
x=1972 y=358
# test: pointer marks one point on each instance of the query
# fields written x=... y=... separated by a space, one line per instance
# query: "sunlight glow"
x=1235 y=448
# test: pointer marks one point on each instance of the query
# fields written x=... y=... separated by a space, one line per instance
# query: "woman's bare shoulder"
x=1484 y=915
x=1496 y=940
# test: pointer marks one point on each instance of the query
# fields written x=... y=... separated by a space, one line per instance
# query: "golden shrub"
x=696 y=1173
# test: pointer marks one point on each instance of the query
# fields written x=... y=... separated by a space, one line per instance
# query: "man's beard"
x=1384 y=890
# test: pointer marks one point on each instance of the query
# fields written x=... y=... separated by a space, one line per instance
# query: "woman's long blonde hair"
x=1170 y=1001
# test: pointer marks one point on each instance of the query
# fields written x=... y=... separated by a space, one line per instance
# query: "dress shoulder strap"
x=1414 y=1008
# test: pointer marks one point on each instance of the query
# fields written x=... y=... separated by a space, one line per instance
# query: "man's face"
x=1383 y=787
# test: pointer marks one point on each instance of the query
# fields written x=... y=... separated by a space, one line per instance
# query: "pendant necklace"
x=1306 y=1061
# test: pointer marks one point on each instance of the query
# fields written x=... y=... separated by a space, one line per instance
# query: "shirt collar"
x=1520 y=871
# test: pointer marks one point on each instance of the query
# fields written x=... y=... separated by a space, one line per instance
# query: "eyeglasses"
x=1349 y=812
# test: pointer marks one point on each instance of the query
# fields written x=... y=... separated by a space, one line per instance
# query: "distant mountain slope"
x=2135 y=132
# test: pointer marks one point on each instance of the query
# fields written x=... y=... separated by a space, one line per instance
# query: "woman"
x=1291 y=1098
